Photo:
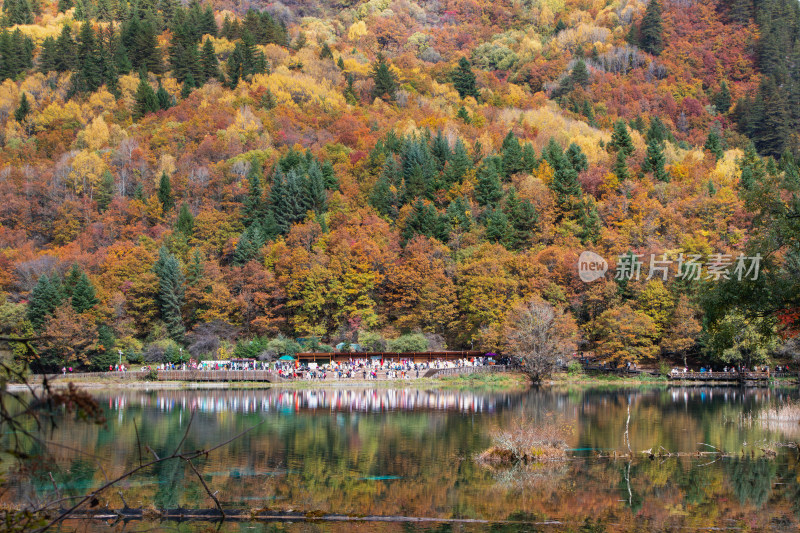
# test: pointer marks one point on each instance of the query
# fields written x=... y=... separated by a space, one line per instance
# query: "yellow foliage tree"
x=87 y=171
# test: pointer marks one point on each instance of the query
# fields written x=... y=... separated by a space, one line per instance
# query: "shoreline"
x=511 y=381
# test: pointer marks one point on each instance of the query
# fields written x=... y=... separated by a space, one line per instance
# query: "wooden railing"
x=454 y=371
x=135 y=375
x=217 y=375
x=728 y=376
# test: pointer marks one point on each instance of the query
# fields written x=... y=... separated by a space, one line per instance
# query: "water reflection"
x=409 y=452
x=346 y=400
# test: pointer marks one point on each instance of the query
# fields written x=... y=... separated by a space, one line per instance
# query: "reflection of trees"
x=751 y=479
x=419 y=462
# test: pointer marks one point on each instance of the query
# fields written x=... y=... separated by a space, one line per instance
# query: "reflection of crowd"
x=366 y=400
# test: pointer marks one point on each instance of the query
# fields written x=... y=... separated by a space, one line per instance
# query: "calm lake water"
x=410 y=453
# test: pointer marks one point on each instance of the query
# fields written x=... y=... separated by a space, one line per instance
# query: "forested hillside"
x=180 y=180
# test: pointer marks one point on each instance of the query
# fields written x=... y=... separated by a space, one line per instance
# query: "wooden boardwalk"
x=441 y=372
x=218 y=375
x=727 y=377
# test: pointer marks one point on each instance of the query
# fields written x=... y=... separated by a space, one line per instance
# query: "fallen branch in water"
x=92 y=497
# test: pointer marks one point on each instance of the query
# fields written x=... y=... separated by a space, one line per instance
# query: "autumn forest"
x=237 y=178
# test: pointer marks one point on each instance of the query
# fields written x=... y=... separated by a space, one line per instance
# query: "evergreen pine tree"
x=423 y=220
x=325 y=52
x=488 y=190
x=657 y=131
x=103 y=355
x=588 y=221
x=384 y=78
x=576 y=157
x=66 y=51
x=146 y=99
x=21 y=113
x=18 y=11
x=565 y=184
x=314 y=189
x=249 y=246
x=752 y=168
x=165 y=193
x=171 y=293
x=383 y=198
x=523 y=222
x=329 y=176
x=440 y=149
x=740 y=11
x=89 y=75
x=71 y=280
x=253 y=207
x=105 y=193
x=185 y=222
x=463 y=114
x=47 y=57
x=621 y=139
x=83 y=294
x=621 y=166
x=722 y=100
x=464 y=80
x=44 y=299
x=163 y=97
x=195 y=269
x=458 y=216
x=654 y=161
x=652 y=30
x=209 y=65
x=350 y=92
x=714 y=144
x=512 y=155
x=580 y=74
x=459 y=163
x=529 y=161
x=497 y=227
x=188 y=86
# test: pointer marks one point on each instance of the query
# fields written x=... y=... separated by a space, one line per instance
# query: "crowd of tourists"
x=354 y=368
x=373 y=369
x=732 y=370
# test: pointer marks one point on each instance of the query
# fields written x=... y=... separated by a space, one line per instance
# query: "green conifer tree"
x=384 y=79
x=146 y=99
x=105 y=193
x=185 y=222
x=21 y=113
x=497 y=227
x=580 y=74
x=512 y=155
x=488 y=190
x=165 y=193
x=171 y=293
x=163 y=97
x=588 y=221
x=464 y=80
x=83 y=293
x=652 y=29
x=714 y=144
x=654 y=161
x=722 y=100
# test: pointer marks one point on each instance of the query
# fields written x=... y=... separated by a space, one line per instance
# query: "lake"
x=410 y=453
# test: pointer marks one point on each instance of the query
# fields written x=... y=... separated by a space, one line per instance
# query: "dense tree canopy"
x=399 y=170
